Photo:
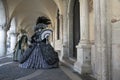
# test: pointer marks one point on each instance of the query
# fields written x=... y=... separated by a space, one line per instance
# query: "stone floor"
x=9 y=70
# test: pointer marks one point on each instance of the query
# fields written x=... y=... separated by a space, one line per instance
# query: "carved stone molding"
x=14 y=34
x=2 y=27
x=90 y=3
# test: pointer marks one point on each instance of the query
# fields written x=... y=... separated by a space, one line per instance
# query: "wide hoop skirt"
x=36 y=59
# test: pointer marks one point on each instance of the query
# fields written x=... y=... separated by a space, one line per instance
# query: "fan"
x=45 y=33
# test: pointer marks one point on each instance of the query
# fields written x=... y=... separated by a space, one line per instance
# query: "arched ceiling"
x=27 y=11
x=2 y=14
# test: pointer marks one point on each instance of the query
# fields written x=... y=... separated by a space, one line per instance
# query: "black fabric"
x=20 y=54
x=19 y=49
x=26 y=54
x=24 y=37
x=39 y=54
x=44 y=20
x=36 y=59
x=49 y=54
x=36 y=38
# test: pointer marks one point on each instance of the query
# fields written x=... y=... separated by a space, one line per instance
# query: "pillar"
x=3 y=36
x=64 y=49
x=12 y=41
x=82 y=65
x=102 y=38
x=3 y=32
x=64 y=52
x=13 y=35
x=61 y=26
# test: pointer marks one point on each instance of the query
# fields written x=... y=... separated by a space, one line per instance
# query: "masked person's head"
x=41 y=23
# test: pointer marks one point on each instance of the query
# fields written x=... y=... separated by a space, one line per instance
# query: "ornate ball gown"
x=20 y=47
x=39 y=55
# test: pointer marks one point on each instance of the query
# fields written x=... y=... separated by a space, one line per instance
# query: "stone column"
x=3 y=36
x=97 y=37
x=82 y=64
x=102 y=38
x=13 y=34
x=84 y=22
x=64 y=53
x=61 y=26
x=65 y=50
x=12 y=41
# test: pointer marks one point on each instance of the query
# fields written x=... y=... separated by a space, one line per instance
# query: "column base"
x=64 y=53
x=82 y=68
x=2 y=43
x=83 y=64
x=2 y=51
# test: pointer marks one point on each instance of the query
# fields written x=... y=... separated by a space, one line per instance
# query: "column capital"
x=83 y=45
x=13 y=33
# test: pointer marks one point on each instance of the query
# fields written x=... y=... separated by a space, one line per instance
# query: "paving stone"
x=12 y=71
x=6 y=59
x=52 y=74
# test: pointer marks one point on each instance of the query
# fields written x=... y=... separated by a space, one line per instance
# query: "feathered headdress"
x=42 y=23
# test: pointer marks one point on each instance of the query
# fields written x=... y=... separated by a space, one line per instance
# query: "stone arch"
x=39 y=8
x=2 y=14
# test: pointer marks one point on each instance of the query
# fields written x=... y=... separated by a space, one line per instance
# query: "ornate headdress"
x=40 y=26
x=42 y=23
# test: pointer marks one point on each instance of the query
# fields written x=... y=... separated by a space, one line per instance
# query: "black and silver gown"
x=39 y=55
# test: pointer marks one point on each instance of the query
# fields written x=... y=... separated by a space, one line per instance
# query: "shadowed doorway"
x=76 y=27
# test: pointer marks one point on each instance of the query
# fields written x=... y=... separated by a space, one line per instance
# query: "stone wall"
x=116 y=50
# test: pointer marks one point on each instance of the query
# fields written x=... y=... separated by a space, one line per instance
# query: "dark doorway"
x=76 y=27
x=58 y=25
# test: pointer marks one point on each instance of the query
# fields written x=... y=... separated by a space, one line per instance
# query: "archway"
x=74 y=28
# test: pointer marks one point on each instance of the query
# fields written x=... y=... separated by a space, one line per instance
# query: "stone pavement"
x=9 y=70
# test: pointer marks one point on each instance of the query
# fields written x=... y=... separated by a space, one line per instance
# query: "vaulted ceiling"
x=27 y=11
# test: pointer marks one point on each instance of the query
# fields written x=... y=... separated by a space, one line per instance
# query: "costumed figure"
x=20 y=46
x=40 y=55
